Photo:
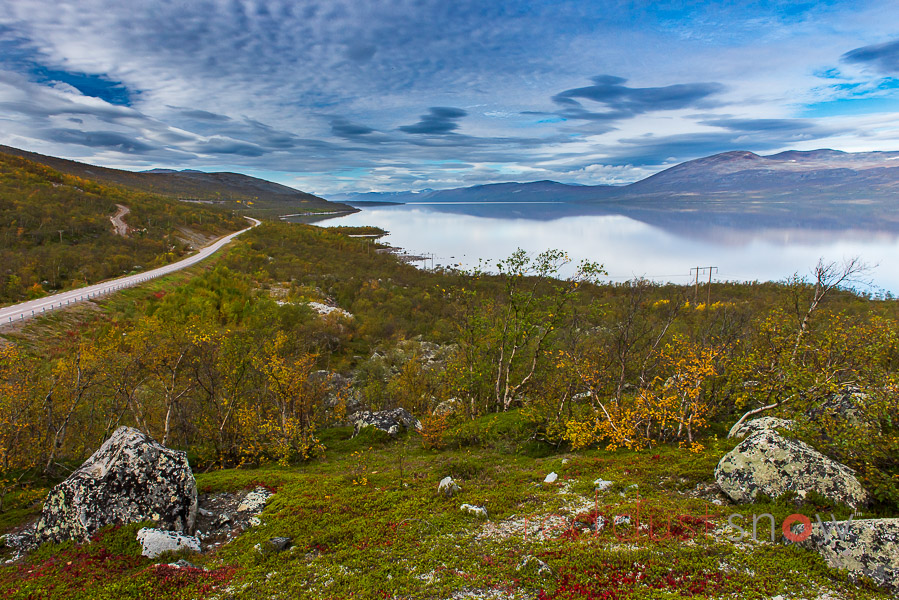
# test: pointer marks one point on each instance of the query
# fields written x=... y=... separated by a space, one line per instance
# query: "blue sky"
x=350 y=95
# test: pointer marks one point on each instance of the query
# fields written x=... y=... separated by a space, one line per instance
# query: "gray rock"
x=279 y=544
x=255 y=500
x=390 y=421
x=847 y=405
x=747 y=428
x=868 y=547
x=602 y=485
x=156 y=541
x=448 y=487
x=551 y=478
x=130 y=478
x=478 y=511
x=766 y=462
x=183 y=564
x=447 y=408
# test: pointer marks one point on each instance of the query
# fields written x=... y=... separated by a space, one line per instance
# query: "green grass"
x=391 y=535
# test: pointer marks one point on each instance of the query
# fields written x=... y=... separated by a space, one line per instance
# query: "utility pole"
x=696 y=283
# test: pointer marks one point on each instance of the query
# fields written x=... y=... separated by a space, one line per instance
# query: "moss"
x=397 y=537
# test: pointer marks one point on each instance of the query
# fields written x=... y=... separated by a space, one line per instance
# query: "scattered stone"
x=479 y=511
x=551 y=478
x=602 y=485
x=156 y=541
x=255 y=501
x=622 y=520
x=254 y=522
x=747 y=428
x=867 y=547
x=565 y=461
x=534 y=564
x=390 y=421
x=325 y=310
x=448 y=487
x=765 y=462
x=130 y=478
x=183 y=564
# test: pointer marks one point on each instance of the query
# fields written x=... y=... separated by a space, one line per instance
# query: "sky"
x=389 y=95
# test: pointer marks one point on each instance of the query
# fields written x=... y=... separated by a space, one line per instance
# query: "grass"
x=367 y=522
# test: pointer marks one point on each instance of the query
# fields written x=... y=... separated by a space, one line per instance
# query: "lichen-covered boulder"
x=130 y=478
x=747 y=428
x=867 y=547
x=391 y=421
x=766 y=462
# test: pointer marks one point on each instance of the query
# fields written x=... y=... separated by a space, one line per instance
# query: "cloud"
x=884 y=57
x=345 y=129
x=622 y=102
x=439 y=120
x=109 y=140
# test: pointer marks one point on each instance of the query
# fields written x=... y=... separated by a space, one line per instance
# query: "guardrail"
x=79 y=298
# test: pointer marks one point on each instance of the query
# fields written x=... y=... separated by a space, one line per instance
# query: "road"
x=32 y=308
x=121 y=227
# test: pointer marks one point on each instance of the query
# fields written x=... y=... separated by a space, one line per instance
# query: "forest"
x=233 y=366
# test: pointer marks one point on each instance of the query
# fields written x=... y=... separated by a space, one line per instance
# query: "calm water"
x=656 y=245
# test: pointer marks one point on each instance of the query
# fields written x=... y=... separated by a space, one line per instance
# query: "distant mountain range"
x=815 y=184
x=267 y=198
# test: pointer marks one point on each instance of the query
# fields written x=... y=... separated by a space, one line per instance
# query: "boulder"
x=448 y=487
x=766 y=462
x=130 y=478
x=154 y=542
x=747 y=428
x=551 y=478
x=390 y=421
x=847 y=405
x=867 y=547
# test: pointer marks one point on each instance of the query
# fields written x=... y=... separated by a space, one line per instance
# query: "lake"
x=658 y=245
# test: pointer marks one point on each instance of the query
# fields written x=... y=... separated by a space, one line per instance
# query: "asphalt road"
x=32 y=308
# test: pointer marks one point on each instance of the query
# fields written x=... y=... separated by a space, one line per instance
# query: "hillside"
x=235 y=191
x=56 y=230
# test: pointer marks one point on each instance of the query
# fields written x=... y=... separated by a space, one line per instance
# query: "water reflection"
x=660 y=245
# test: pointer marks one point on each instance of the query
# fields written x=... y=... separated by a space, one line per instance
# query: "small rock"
x=277 y=544
x=479 y=511
x=255 y=522
x=448 y=487
x=622 y=520
x=532 y=563
x=565 y=461
x=602 y=485
x=183 y=564
x=156 y=541
x=551 y=478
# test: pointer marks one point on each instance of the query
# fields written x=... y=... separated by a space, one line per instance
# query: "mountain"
x=813 y=173
x=788 y=188
x=236 y=191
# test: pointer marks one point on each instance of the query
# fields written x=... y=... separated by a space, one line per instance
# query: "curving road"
x=32 y=308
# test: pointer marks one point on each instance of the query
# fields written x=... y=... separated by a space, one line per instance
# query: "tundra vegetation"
x=635 y=383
